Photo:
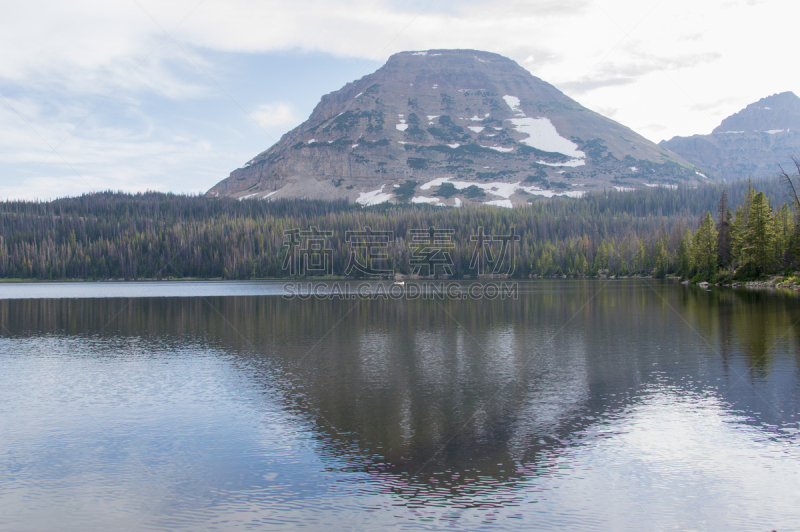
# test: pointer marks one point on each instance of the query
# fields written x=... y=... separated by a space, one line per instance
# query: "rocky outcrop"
x=750 y=143
x=448 y=127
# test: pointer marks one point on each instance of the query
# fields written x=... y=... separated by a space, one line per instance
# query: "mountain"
x=448 y=127
x=750 y=143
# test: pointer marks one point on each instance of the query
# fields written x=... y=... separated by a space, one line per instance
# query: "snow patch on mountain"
x=430 y=201
x=542 y=134
x=572 y=164
x=374 y=197
x=502 y=190
x=500 y=203
x=402 y=126
x=513 y=102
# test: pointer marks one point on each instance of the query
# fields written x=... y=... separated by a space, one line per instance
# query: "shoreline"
x=775 y=282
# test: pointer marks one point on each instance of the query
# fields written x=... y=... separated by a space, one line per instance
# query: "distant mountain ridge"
x=447 y=127
x=749 y=143
x=775 y=113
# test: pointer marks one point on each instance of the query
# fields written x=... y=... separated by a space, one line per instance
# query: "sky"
x=172 y=96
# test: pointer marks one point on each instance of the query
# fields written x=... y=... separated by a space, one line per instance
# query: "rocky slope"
x=750 y=143
x=448 y=127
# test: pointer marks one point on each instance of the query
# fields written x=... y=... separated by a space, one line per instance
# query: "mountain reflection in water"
x=463 y=405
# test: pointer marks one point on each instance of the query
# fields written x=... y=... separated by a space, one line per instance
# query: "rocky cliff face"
x=448 y=127
x=752 y=142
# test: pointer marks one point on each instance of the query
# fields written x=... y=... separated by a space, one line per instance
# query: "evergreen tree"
x=704 y=248
x=759 y=234
x=724 y=231
x=737 y=238
x=684 y=255
x=640 y=258
x=739 y=228
x=747 y=203
x=785 y=233
x=662 y=259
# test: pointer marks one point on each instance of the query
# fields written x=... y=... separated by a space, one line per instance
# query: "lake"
x=570 y=405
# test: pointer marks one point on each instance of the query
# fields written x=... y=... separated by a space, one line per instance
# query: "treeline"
x=150 y=236
x=754 y=240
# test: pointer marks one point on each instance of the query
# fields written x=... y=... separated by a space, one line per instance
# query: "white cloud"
x=661 y=68
x=277 y=115
x=91 y=46
x=133 y=155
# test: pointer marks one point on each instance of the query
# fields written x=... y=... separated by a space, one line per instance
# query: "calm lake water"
x=579 y=405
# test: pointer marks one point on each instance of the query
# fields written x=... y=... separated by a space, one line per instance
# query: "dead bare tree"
x=790 y=184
